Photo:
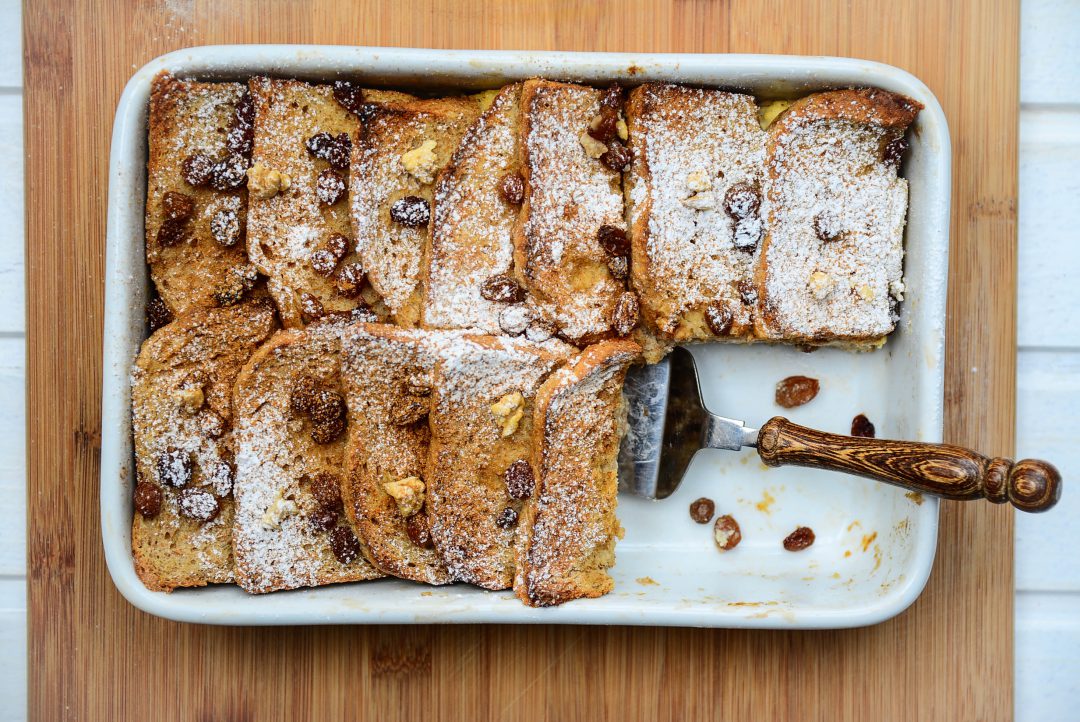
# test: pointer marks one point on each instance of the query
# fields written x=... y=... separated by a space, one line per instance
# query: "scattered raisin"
x=796 y=391
x=241 y=136
x=229 y=173
x=726 y=533
x=225 y=227
x=348 y=95
x=334 y=149
x=350 y=280
x=747 y=292
x=238 y=281
x=612 y=97
x=825 y=227
x=323 y=519
x=742 y=200
x=197 y=169
x=861 y=426
x=540 y=330
x=411 y=211
x=148 y=499
x=515 y=318
x=174 y=468
x=613 y=240
x=158 y=314
x=799 y=539
x=617 y=157
x=327 y=413
x=604 y=126
x=329 y=187
x=177 y=206
x=326 y=488
x=338 y=244
x=311 y=308
x=416 y=526
x=344 y=545
x=619 y=266
x=502 y=288
x=894 y=152
x=171 y=233
x=303 y=395
x=323 y=262
x=625 y=315
x=199 y=505
x=507 y=518
x=701 y=510
x=719 y=318
x=519 y=480
x=512 y=189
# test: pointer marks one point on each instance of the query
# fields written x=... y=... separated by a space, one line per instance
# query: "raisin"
x=718 y=318
x=225 y=227
x=742 y=200
x=701 y=510
x=625 y=315
x=796 y=391
x=344 y=545
x=894 y=151
x=323 y=262
x=238 y=281
x=540 y=330
x=329 y=187
x=171 y=233
x=617 y=157
x=619 y=266
x=241 y=136
x=177 y=206
x=229 y=173
x=174 y=468
x=612 y=97
x=613 y=240
x=411 y=211
x=326 y=488
x=861 y=426
x=799 y=539
x=604 y=126
x=323 y=519
x=825 y=227
x=350 y=280
x=416 y=526
x=327 y=413
x=199 y=505
x=334 y=149
x=747 y=292
x=726 y=533
x=303 y=395
x=507 y=518
x=158 y=314
x=502 y=288
x=519 y=480
x=348 y=95
x=338 y=244
x=512 y=189
x=148 y=499
x=515 y=318
x=197 y=169
x=311 y=308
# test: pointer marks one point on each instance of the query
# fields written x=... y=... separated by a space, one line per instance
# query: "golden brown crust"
x=862 y=106
x=475 y=438
x=182 y=410
x=281 y=533
x=187 y=118
x=566 y=535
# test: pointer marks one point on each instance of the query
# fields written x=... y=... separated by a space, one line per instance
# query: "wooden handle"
x=947 y=471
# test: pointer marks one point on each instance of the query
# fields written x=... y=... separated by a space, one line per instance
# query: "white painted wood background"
x=1047 y=561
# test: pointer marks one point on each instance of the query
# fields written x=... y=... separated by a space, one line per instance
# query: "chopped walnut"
x=703 y=201
x=421 y=162
x=408 y=493
x=697 y=181
x=280 y=508
x=821 y=285
x=266 y=182
x=621 y=130
x=593 y=147
x=190 y=397
x=865 y=292
x=509 y=411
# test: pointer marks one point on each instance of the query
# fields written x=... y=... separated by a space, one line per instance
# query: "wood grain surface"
x=94 y=657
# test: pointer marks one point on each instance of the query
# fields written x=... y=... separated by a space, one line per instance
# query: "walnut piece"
x=821 y=285
x=190 y=398
x=703 y=201
x=420 y=162
x=266 y=182
x=508 y=411
x=278 y=510
x=408 y=493
x=698 y=181
x=593 y=147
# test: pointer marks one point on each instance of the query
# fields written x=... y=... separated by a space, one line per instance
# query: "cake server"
x=669 y=423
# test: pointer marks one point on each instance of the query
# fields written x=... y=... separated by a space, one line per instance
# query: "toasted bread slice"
x=472 y=232
x=398 y=155
x=567 y=531
x=568 y=197
x=388 y=374
x=182 y=418
x=694 y=194
x=194 y=233
x=831 y=265
x=481 y=436
x=290 y=530
x=298 y=229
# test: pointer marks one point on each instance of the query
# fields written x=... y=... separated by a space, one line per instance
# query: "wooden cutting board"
x=94 y=657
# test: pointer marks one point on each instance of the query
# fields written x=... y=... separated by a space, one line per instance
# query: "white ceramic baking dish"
x=875 y=545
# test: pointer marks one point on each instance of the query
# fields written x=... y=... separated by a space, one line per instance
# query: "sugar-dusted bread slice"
x=182 y=419
x=298 y=223
x=388 y=375
x=290 y=529
x=472 y=231
x=694 y=196
x=398 y=154
x=568 y=196
x=567 y=531
x=195 y=232
x=481 y=438
x=831 y=264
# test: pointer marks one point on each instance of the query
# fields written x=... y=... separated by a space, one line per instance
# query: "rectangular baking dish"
x=875 y=544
